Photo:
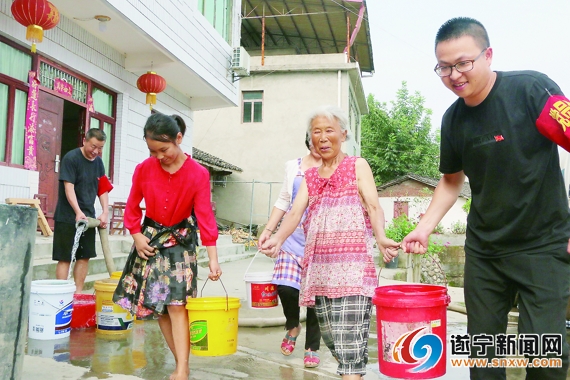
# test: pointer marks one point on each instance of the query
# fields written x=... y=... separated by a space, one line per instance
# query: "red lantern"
x=37 y=16
x=152 y=84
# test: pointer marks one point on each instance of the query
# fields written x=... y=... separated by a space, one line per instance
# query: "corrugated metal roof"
x=309 y=27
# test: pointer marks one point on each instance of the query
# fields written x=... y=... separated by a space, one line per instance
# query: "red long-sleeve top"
x=169 y=198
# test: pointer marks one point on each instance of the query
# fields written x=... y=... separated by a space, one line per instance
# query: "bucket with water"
x=51 y=307
x=411 y=320
x=83 y=311
x=260 y=292
x=213 y=324
x=111 y=318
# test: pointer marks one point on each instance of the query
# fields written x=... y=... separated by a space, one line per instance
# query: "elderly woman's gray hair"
x=332 y=113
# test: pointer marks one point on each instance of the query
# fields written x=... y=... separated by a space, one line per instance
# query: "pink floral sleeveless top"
x=339 y=241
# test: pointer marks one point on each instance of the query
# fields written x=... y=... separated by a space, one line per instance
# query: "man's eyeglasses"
x=461 y=67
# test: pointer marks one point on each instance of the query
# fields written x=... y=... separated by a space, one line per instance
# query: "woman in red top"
x=161 y=271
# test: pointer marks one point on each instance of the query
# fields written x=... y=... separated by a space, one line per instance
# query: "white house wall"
x=74 y=48
x=418 y=205
x=261 y=149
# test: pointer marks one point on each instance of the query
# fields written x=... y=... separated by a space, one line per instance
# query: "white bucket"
x=51 y=307
x=261 y=293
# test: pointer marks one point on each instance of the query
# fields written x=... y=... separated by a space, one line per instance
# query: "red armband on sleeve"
x=104 y=186
x=554 y=121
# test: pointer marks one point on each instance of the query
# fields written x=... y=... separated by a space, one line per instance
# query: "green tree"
x=399 y=140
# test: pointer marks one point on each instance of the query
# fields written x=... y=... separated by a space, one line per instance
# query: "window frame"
x=252 y=101
x=112 y=120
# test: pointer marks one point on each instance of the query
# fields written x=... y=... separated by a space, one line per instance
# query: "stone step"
x=117 y=243
x=44 y=268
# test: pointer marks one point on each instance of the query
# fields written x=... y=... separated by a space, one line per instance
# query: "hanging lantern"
x=152 y=84
x=37 y=16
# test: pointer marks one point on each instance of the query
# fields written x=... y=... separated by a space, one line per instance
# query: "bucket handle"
x=251 y=262
x=433 y=259
x=227 y=298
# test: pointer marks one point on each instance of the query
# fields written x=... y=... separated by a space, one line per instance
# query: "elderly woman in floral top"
x=338 y=277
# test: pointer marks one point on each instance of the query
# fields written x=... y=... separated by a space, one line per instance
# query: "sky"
x=524 y=35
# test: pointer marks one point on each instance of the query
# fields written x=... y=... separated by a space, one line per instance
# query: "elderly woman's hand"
x=265 y=235
x=388 y=248
x=270 y=247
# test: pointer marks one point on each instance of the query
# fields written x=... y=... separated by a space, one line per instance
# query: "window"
x=400 y=208
x=103 y=118
x=219 y=14
x=252 y=106
x=14 y=67
x=49 y=73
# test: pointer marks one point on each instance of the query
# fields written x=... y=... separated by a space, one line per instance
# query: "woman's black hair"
x=164 y=128
x=307 y=141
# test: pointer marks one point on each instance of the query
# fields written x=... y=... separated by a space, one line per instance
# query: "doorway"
x=61 y=126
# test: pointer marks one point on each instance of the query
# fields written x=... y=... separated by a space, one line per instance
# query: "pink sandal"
x=311 y=359
x=288 y=344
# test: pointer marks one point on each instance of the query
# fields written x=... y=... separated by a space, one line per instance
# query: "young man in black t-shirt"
x=502 y=133
x=79 y=183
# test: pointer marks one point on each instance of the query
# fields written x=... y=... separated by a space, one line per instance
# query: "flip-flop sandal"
x=288 y=344
x=311 y=359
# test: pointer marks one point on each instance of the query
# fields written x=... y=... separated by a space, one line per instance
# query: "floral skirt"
x=169 y=277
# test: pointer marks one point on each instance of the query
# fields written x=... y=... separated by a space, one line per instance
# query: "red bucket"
x=83 y=311
x=412 y=322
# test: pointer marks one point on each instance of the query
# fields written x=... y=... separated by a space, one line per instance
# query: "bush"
x=458 y=227
x=399 y=228
x=439 y=229
x=434 y=248
x=467 y=206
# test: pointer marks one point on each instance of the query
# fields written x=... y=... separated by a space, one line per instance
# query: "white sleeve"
x=284 y=198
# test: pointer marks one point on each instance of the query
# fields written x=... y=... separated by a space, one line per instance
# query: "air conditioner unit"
x=240 y=61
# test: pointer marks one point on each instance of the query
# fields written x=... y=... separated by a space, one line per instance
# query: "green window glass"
x=3 y=120
x=252 y=106
x=102 y=102
x=219 y=14
x=257 y=112
x=209 y=11
x=14 y=63
x=94 y=123
x=19 y=127
x=106 y=154
x=247 y=112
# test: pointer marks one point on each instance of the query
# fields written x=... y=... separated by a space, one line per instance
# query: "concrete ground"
x=142 y=353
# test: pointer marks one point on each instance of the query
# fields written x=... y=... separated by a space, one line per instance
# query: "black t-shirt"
x=519 y=201
x=84 y=175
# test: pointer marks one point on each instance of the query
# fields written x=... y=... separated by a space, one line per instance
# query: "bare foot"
x=179 y=376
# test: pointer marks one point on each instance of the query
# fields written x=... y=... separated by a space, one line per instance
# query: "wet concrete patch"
x=143 y=353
